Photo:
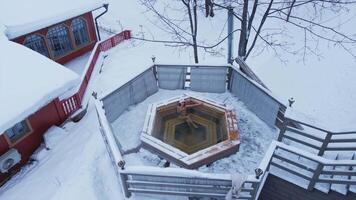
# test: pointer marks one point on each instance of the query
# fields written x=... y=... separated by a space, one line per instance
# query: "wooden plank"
x=294 y=130
x=183 y=193
x=296 y=163
x=339 y=172
x=301 y=141
x=181 y=185
x=297 y=173
x=337 y=181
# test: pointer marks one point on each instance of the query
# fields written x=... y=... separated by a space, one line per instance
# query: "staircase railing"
x=312 y=168
x=316 y=138
x=74 y=102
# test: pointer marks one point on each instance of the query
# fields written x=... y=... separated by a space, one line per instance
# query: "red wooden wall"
x=40 y=122
x=53 y=113
x=77 y=51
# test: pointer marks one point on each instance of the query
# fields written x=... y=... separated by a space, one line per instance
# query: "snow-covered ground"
x=78 y=65
x=78 y=167
x=255 y=134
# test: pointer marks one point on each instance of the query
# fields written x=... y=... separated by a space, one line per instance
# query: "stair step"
x=296 y=158
x=325 y=187
x=299 y=141
x=342 y=188
x=292 y=178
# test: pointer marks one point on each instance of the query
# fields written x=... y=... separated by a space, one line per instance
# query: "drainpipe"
x=106 y=6
x=230 y=28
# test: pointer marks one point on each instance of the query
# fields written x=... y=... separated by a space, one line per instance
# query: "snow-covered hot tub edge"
x=131 y=175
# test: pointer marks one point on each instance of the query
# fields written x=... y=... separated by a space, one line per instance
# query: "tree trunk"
x=193 y=19
x=243 y=34
x=195 y=48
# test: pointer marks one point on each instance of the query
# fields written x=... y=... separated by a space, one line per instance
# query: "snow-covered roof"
x=21 y=17
x=28 y=81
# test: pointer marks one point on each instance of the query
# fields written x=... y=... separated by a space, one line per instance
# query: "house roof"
x=21 y=17
x=28 y=81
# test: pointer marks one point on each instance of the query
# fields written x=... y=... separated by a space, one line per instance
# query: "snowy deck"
x=256 y=136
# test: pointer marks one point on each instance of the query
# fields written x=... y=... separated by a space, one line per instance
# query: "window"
x=18 y=131
x=80 y=32
x=36 y=43
x=59 y=39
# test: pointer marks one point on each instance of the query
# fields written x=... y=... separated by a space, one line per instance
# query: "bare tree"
x=191 y=6
x=314 y=18
x=263 y=24
x=180 y=29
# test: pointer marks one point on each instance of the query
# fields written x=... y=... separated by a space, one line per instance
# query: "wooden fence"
x=281 y=160
x=74 y=103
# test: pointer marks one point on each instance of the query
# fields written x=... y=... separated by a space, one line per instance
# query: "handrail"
x=78 y=96
x=252 y=185
x=296 y=117
x=329 y=141
x=109 y=136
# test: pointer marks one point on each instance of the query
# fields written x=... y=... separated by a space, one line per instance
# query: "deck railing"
x=318 y=139
x=74 y=103
x=280 y=159
x=311 y=168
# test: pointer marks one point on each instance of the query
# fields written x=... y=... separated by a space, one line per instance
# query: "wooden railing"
x=74 y=103
x=316 y=138
x=312 y=168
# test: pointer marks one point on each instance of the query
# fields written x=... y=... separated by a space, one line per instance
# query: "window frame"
x=87 y=32
x=70 y=41
x=45 y=42
x=29 y=132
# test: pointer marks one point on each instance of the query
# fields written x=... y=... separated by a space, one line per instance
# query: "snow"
x=28 y=83
x=324 y=90
x=319 y=122
x=53 y=136
x=256 y=136
x=78 y=167
x=107 y=133
x=142 y=170
x=78 y=65
x=15 y=13
x=131 y=58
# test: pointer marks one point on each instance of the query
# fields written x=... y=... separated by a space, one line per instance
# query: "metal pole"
x=230 y=29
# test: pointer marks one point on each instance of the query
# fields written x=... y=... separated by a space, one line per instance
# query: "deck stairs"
x=295 y=168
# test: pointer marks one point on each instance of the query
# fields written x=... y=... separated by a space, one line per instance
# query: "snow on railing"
x=280 y=160
x=319 y=140
x=74 y=103
x=110 y=143
x=109 y=137
x=312 y=168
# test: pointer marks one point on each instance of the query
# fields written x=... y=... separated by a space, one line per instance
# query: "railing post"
x=283 y=130
x=325 y=144
x=229 y=75
x=315 y=177
x=125 y=190
x=255 y=187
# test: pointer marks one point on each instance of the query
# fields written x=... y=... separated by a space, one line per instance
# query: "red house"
x=33 y=84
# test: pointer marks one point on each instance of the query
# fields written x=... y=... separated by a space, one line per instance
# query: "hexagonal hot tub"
x=190 y=131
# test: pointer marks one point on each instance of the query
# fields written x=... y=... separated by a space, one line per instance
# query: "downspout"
x=106 y=6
